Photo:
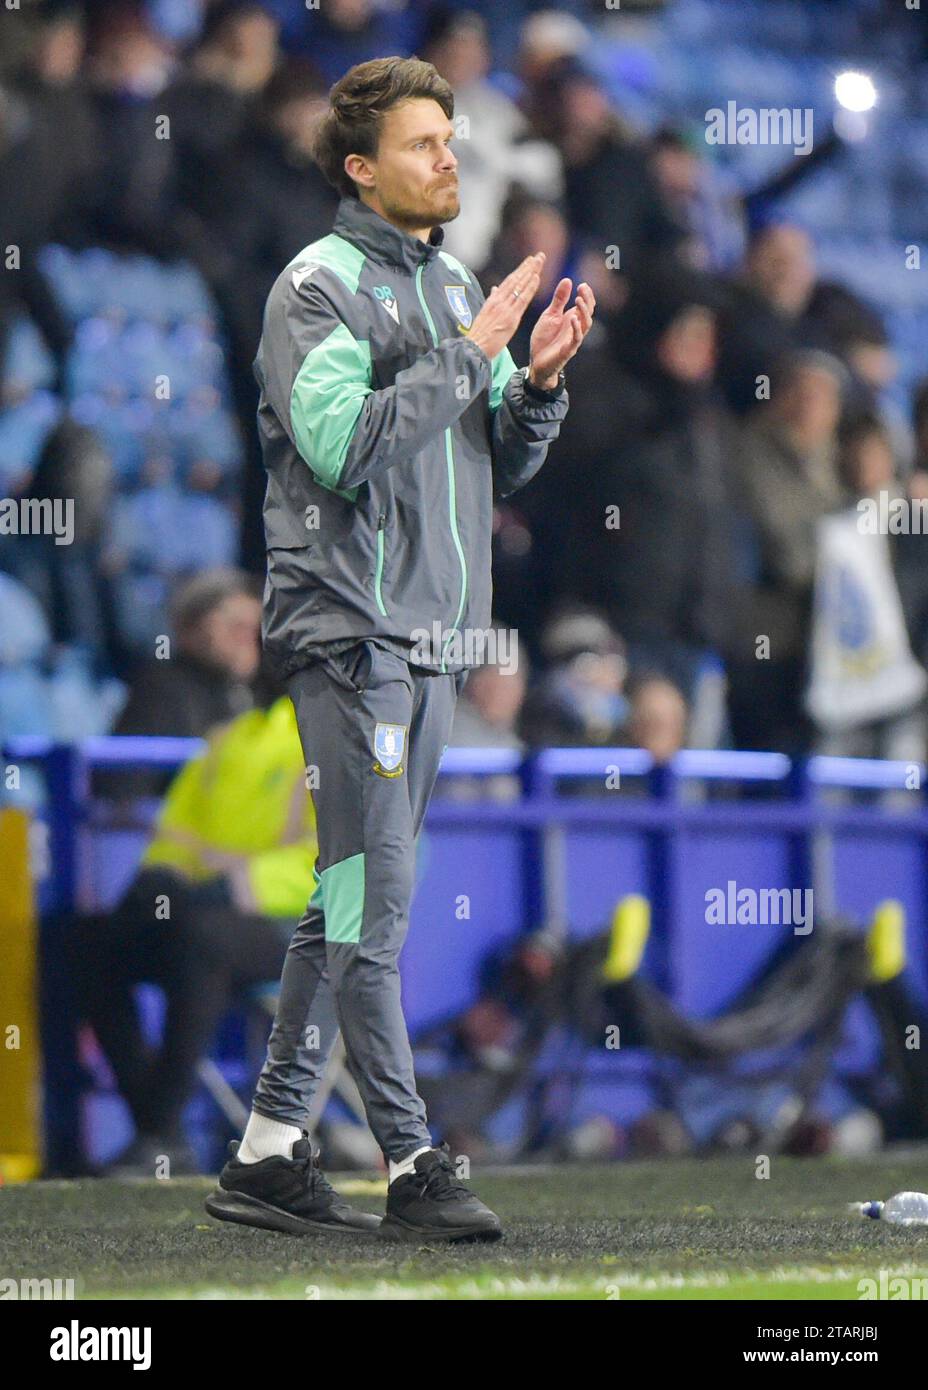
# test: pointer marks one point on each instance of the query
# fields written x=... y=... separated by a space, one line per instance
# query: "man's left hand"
x=557 y=335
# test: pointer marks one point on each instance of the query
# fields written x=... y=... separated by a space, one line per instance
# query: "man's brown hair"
x=357 y=105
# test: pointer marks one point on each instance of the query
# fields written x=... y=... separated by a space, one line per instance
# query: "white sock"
x=263 y=1138
x=407 y=1165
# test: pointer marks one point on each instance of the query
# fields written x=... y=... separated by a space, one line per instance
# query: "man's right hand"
x=501 y=314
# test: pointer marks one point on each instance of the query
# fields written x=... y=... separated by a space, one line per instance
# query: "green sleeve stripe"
x=328 y=396
x=503 y=367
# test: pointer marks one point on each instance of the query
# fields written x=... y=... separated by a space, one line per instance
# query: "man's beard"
x=425 y=215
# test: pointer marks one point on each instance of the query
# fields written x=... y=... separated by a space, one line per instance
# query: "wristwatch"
x=538 y=392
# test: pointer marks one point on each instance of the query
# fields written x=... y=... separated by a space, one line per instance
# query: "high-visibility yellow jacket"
x=243 y=803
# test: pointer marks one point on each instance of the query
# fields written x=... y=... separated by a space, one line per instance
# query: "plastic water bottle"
x=904 y=1209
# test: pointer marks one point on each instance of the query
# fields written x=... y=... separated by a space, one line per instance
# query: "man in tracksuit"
x=391 y=415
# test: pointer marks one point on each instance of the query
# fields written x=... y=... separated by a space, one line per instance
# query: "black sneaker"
x=432 y=1203
x=284 y=1194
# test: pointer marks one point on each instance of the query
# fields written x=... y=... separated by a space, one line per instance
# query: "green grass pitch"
x=667 y=1229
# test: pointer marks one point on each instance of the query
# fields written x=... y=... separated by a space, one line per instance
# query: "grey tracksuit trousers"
x=373 y=729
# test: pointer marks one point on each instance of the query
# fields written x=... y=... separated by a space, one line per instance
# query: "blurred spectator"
x=780 y=268
x=527 y=225
x=585 y=695
x=697 y=198
x=855 y=332
x=340 y=33
x=546 y=39
x=216 y=620
x=211 y=100
x=788 y=480
x=866 y=691
x=579 y=697
x=868 y=468
x=129 y=68
x=62 y=160
x=569 y=107
x=487 y=712
x=487 y=716
x=864 y=458
x=49 y=156
x=762 y=314
x=269 y=201
x=515 y=602
x=646 y=457
x=658 y=717
x=844 y=324
x=211 y=912
x=494 y=150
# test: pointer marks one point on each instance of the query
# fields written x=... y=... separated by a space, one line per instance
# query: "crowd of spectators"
x=728 y=400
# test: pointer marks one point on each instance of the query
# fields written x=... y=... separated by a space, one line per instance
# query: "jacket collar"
x=380 y=240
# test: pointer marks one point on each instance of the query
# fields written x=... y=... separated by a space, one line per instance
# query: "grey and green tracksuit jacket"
x=386 y=434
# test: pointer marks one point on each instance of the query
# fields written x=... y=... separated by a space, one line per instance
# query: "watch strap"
x=538 y=393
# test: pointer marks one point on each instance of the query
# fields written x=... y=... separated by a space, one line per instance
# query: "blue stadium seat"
x=24 y=429
x=24 y=630
x=29 y=365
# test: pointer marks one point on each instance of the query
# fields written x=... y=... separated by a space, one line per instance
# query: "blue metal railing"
x=794 y=803
x=800 y=811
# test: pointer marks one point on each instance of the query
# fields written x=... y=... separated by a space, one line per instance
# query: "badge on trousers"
x=389 y=747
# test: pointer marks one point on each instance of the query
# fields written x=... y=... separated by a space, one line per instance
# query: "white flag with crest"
x=862 y=668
